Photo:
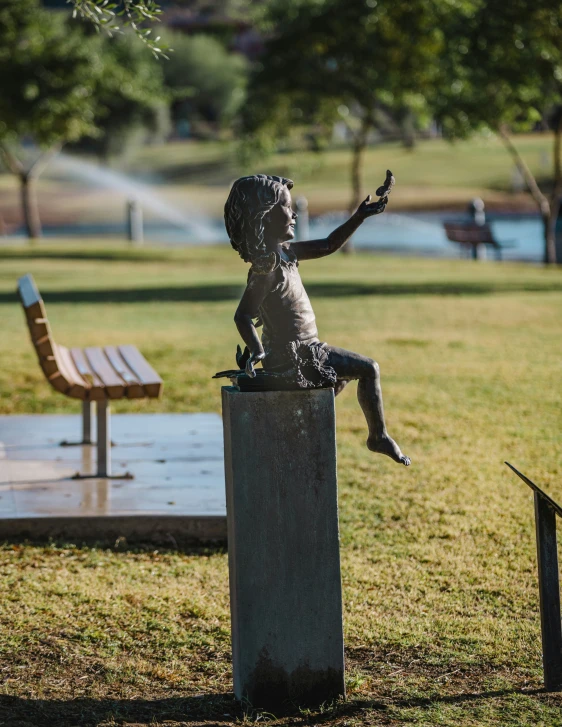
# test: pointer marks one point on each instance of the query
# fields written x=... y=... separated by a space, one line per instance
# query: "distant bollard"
x=303 y=229
x=135 y=232
x=477 y=211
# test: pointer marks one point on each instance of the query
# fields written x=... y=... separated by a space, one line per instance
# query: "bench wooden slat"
x=60 y=379
x=79 y=388
x=113 y=383
x=469 y=233
x=84 y=368
x=38 y=329
x=44 y=346
x=143 y=370
x=49 y=365
x=135 y=388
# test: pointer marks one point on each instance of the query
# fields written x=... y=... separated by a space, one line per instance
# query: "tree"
x=207 y=82
x=57 y=83
x=502 y=70
x=131 y=99
x=364 y=61
x=49 y=76
x=129 y=13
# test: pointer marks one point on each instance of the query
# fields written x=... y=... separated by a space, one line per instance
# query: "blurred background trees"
x=206 y=83
x=62 y=83
x=280 y=75
x=367 y=65
x=49 y=77
x=501 y=70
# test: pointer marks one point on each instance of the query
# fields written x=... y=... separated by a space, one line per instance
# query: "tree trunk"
x=356 y=175
x=548 y=209
x=549 y=222
x=359 y=146
x=29 y=206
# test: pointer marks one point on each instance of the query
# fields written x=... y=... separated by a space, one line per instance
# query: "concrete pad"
x=177 y=493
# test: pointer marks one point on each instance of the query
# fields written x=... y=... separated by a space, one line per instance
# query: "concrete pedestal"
x=283 y=546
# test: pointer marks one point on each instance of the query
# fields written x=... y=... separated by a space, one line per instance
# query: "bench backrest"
x=469 y=232
x=54 y=359
x=36 y=318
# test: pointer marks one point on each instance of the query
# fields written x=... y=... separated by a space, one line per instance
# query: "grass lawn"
x=438 y=561
x=435 y=174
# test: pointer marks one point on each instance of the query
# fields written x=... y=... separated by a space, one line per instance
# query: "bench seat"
x=472 y=235
x=89 y=374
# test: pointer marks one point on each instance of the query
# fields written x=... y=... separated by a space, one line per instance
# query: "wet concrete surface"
x=177 y=491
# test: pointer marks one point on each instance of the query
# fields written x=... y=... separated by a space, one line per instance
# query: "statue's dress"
x=290 y=337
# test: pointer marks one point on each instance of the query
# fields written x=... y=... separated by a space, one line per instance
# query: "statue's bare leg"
x=349 y=365
x=340 y=386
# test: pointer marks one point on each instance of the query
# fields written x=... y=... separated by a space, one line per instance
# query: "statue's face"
x=280 y=221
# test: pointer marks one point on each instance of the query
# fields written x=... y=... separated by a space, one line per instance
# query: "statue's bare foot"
x=387 y=445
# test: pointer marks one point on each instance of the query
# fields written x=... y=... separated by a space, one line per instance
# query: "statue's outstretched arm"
x=312 y=249
x=256 y=290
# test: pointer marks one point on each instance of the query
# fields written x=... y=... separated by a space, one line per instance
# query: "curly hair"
x=250 y=199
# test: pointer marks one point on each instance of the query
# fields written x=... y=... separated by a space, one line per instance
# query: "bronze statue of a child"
x=261 y=225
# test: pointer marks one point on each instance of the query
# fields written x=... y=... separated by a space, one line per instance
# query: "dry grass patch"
x=438 y=561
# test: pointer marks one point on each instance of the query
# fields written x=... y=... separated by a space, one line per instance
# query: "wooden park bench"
x=89 y=374
x=473 y=235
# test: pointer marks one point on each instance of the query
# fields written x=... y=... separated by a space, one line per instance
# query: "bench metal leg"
x=103 y=421
x=86 y=422
x=549 y=592
x=103 y=426
x=86 y=427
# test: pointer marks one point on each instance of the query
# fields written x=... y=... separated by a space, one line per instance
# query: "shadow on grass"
x=114 y=255
x=167 y=543
x=207 y=709
x=216 y=293
x=210 y=709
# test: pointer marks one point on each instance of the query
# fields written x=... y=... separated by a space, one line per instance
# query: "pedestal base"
x=283 y=546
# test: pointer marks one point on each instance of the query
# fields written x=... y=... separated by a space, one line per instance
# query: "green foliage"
x=130 y=94
x=364 y=57
x=50 y=73
x=207 y=82
x=111 y=16
x=60 y=83
x=502 y=64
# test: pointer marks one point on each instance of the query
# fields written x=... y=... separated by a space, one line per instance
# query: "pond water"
x=400 y=233
x=423 y=234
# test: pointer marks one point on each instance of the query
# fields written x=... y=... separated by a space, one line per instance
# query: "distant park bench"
x=472 y=235
x=89 y=374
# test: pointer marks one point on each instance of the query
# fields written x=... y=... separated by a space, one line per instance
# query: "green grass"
x=438 y=561
x=435 y=173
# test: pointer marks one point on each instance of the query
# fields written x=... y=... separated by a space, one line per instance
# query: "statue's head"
x=251 y=209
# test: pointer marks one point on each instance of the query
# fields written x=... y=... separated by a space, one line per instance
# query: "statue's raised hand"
x=368 y=208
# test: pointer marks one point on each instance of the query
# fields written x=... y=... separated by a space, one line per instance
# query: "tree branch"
x=557 y=188
x=12 y=162
x=534 y=188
